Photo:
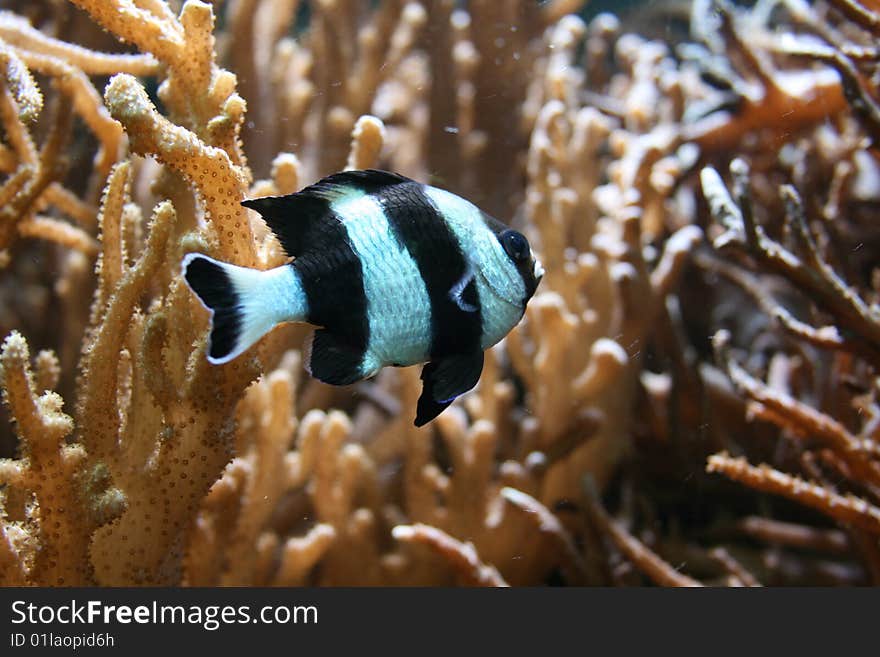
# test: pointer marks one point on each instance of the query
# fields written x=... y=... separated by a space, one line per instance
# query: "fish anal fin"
x=332 y=360
x=444 y=380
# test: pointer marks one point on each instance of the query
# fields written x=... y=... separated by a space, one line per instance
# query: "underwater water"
x=687 y=396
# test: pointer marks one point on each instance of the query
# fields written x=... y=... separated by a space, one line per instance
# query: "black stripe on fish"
x=333 y=280
x=295 y=219
x=210 y=281
x=419 y=226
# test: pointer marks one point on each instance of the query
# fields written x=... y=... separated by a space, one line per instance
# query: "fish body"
x=391 y=271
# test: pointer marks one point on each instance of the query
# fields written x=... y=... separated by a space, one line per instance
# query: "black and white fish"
x=393 y=272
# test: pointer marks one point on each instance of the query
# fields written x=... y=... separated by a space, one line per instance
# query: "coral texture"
x=691 y=398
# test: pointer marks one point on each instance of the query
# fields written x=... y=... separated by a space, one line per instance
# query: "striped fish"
x=393 y=272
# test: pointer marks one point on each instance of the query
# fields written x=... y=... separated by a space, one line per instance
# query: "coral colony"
x=690 y=399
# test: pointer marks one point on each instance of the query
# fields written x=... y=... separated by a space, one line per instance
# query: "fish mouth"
x=538 y=271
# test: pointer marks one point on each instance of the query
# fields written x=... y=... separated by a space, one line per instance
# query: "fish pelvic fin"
x=445 y=379
x=245 y=304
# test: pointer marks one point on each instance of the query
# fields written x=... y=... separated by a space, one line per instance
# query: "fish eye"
x=516 y=245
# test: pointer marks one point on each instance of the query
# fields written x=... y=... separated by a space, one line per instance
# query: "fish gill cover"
x=690 y=399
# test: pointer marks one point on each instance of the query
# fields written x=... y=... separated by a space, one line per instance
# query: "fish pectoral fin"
x=443 y=381
x=463 y=293
x=332 y=360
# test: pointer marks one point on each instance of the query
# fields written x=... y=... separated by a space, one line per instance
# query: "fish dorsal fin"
x=290 y=218
x=367 y=181
x=444 y=380
x=293 y=217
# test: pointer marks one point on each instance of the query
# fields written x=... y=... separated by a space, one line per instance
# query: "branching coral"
x=135 y=360
x=581 y=456
x=35 y=177
x=52 y=472
x=853 y=455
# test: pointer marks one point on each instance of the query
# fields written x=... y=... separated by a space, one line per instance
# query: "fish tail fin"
x=245 y=303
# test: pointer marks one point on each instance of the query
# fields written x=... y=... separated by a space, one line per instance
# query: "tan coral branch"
x=300 y=554
x=795 y=535
x=99 y=415
x=86 y=102
x=150 y=33
x=461 y=556
x=19 y=33
x=60 y=232
x=12 y=571
x=549 y=524
x=734 y=567
x=48 y=166
x=112 y=259
x=17 y=135
x=19 y=81
x=642 y=557
x=367 y=139
x=69 y=204
x=221 y=184
x=846 y=509
x=51 y=470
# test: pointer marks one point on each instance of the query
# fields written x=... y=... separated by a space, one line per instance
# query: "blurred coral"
x=600 y=441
